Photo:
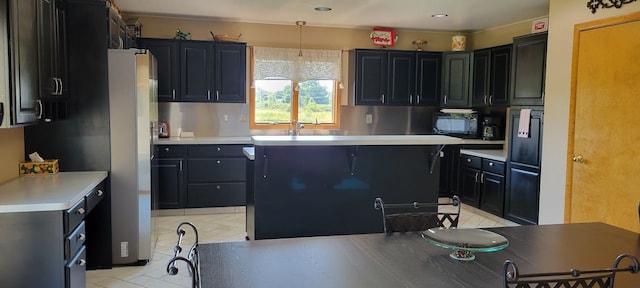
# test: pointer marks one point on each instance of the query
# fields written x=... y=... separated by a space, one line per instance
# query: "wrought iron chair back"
x=574 y=278
x=423 y=218
x=192 y=260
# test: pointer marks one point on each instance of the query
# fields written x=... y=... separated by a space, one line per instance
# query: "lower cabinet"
x=197 y=176
x=521 y=204
x=482 y=183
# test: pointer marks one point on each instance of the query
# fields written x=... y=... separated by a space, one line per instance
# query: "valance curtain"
x=284 y=63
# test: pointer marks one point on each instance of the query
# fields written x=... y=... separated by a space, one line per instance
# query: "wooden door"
x=603 y=173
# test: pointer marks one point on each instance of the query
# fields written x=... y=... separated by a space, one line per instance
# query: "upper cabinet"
x=529 y=60
x=491 y=76
x=199 y=71
x=456 y=89
x=394 y=77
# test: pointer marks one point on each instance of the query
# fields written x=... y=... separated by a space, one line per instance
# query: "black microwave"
x=463 y=125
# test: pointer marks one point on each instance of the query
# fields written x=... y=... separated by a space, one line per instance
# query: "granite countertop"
x=497 y=155
x=47 y=192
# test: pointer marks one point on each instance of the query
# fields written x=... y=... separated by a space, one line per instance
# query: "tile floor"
x=217 y=227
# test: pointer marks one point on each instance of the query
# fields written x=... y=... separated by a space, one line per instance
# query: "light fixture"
x=322 y=9
x=300 y=24
x=439 y=15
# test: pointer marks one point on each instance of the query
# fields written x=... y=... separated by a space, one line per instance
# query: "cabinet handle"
x=61 y=86
x=490 y=99
x=219 y=149
x=166 y=149
x=218 y=162
x=485 y=100
x=217 y=95
x=173 y=94
x=445 y=99
x=417 y=98
x=208 y=94
x=410 y=99
x=80 y=211
x=39 y=109
x=468 y=160
x=382 y=98
x=81 y=262
x=99 y=193
x=476 y=177
x=82 y=237
x=490 y=164
x=180 y=165
x=482 y=178
x=218 y=187
x=54 y=83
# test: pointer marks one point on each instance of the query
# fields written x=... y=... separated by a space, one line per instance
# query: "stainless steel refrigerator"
x=133 y=109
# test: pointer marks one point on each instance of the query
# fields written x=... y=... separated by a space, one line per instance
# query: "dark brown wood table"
x=407 y=260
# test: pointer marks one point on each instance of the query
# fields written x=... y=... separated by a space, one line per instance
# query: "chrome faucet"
x=296 y=130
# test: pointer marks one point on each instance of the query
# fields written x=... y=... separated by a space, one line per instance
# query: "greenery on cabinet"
x=199 y=71
x=457 y=73
x=401 y=78
x=528 y=70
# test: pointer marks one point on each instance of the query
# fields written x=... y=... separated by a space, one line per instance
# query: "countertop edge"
x=497 y=155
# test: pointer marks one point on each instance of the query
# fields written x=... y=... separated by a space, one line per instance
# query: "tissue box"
x=46 y=167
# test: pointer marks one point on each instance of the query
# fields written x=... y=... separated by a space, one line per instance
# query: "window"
x=288 y=89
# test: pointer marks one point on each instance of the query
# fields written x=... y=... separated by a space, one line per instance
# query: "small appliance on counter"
x=491 y=128
x=463 y=125
x=163 y=130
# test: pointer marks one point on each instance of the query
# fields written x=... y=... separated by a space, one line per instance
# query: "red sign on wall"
x=383 y=36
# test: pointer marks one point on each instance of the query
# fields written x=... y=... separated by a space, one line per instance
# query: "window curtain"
x=285 y=63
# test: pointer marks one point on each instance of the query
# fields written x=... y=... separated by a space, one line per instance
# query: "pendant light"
x=300 y=24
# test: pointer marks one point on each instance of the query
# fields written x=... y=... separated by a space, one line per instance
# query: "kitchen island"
x=325 y=185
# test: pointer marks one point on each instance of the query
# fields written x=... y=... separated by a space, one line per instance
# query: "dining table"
x=408 y=260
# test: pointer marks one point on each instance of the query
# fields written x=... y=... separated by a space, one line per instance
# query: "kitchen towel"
x=525 y=119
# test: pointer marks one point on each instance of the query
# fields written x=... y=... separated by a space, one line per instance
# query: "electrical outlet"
x=226 y=117
x=369 y=118
x=124 y=249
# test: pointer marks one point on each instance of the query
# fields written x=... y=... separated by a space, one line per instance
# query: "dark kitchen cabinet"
x=457 y=73
x=199 y=71
x=369 y=68
x=169 y=177
x=491 y=76
x=528 y=70
x=166 y=53
x=217 y=176
x=402 y=78
x=449 y=171
x=523 y=171
x=482 y=183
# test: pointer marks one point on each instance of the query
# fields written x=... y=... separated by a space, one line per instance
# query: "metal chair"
x=192 y=260
x=603 y=278
x=423 y=218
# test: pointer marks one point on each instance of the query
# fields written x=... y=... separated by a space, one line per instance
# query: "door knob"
x=578 y=159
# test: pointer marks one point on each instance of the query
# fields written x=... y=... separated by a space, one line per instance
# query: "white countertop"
x=319 y=140
x=250 y=152
x=204 y=140
x=497 y=155
x=47 y=192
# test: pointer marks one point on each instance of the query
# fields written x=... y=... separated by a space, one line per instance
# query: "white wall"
x=563 y=15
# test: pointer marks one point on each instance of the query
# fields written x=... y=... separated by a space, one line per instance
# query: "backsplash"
x=227 y=119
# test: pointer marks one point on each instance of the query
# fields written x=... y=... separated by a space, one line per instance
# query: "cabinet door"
x=166 y=53
x=529 y=60
x=230 y=64
x=500 y=76
x=114 y=27
x=24 y=63
x=401 y=77
x=196 y=65
x=526 y=151
x=428 y=78
x=371 y=77
x=46 y=37
x=169 y=178
x=481 y=77
x=523 y=194
x=492 y=193
x=456 y=70
x=469 y=186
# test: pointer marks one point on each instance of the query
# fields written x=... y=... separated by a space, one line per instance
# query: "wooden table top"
x=407 y=260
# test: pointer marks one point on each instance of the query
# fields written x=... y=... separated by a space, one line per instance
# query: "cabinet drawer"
x=471 y=161
x=217 y=170
x=74 y=241
x=200 y=151
x=95 y=197
x=74 y=216
x=170 y=151
x=75 y=272
x=493 y=166
x=216 y=195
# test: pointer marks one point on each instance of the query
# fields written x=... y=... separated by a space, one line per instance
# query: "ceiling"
x=464 y=15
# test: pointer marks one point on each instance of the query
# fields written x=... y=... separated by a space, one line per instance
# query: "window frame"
x=294 y=107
